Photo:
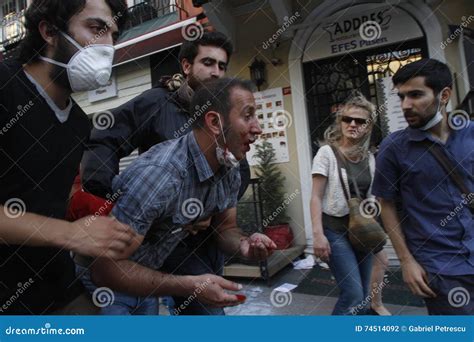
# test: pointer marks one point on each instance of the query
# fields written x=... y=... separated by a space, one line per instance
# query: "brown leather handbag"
x=365 y=233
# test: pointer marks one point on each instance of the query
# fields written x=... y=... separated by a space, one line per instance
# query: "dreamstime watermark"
x=465 y=202
x=199 y=110
x=286 y=24
x=280 y=299
x=371 y=120
x=370 y=30
x=458 y=297
x=46 y=330
x=22 y=287
x=458 y=119
x=280 y=208
x=458 y=31
x=14 y=208
x=103 y=208
x=363 y=305
x=281 y=119
x=192 y=297
x=102 y=297
x=104 y=30
x=103 y=120
x=192 y=32
x=21 y=110
x=370 y=207
x=192 y=208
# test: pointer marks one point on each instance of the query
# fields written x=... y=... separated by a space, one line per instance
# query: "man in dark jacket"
x=157 y=115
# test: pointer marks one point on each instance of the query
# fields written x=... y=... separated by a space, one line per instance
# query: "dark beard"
x=423 y=122
x=193 y=82
x=63 y=54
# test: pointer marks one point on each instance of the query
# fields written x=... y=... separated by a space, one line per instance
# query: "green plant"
x=271 y=179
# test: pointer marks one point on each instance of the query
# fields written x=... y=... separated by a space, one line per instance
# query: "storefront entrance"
x=329 y=81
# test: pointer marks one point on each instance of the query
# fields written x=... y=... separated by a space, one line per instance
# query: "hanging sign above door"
x=361 y=27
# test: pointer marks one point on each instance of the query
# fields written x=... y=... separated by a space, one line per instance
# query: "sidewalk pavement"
x=261 y=300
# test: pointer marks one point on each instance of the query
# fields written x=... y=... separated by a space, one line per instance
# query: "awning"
x=150 y=37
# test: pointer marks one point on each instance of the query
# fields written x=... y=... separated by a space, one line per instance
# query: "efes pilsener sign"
x=361 y=27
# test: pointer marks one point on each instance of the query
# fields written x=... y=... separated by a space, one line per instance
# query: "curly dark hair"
x=58 y=13
x=190 y=49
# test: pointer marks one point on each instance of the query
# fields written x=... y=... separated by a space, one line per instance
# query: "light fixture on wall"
x=275 y=60
x=257 y=72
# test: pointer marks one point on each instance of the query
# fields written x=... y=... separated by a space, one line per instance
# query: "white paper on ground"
x=324 y=265
x=304 y=264
x=286 y=287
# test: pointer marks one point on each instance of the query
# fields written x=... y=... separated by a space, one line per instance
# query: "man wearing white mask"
x=429 y=167
x=175 y=188
x=68 y=47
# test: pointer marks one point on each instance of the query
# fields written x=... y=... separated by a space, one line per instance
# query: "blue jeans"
x=129 y=305
x=122 y=304
x=352 y=270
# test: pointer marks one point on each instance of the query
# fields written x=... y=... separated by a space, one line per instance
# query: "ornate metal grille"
x=329 y=82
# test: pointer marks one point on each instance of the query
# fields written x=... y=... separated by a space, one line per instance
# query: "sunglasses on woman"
x=349 y=119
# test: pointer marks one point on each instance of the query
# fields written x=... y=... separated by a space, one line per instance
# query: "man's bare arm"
x=413 y=274
x=129 y=277
x=91 y=236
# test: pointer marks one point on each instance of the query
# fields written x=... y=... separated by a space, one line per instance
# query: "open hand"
x=257 y=247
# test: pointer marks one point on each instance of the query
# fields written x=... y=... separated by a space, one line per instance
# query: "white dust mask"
x=224 y=156
x=90 y=67
x=435 y=119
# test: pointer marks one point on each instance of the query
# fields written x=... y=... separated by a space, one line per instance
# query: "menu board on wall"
x=274 y=121
x=391 y=107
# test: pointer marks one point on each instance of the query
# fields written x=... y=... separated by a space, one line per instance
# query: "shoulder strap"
x=447 y=165
x=339 y=166
x=342 y=162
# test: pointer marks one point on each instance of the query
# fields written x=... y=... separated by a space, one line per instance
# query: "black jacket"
x=154 y=116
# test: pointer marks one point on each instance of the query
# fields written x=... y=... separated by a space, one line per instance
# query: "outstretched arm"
x=129 y=277
x=91 y=236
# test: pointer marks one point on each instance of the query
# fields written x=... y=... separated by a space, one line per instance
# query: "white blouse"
x=334 y=201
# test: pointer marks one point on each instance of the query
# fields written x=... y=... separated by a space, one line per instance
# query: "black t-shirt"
x=39 y=158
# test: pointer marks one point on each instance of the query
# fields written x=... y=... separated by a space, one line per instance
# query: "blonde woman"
x=350 y=135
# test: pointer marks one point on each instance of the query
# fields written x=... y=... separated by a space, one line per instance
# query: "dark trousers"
x=195 y=256
x=455 y=295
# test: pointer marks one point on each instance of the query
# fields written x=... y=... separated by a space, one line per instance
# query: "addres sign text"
x=357 y=32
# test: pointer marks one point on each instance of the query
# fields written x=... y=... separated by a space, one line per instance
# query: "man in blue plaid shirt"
x=174 y=190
